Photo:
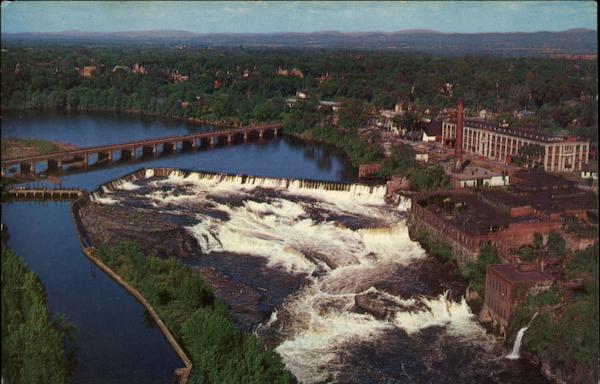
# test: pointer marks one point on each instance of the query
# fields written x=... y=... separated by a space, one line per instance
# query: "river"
x=117 y=343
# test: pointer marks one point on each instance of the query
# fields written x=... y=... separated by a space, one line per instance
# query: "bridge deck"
x=45 y=193
x=139 y=143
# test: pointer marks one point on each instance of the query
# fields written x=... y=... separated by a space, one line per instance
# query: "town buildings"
x=501 y=142
x=507 y=285
x=504 y=218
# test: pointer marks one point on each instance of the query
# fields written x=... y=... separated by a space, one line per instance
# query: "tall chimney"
x=459 y=137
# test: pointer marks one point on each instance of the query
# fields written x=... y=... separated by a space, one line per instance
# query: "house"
x=590 y=171
x=485 y=114
x=282 y=72
x=421 y=156
x=297 y=73
x=139 y=70
x=87 y=71
x=302 y=95
x=178 y=77
x=476 y=177
x=333 y=105
x=507 y=285
x=432 y=131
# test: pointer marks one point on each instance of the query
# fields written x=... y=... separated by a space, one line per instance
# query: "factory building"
x=501 y=142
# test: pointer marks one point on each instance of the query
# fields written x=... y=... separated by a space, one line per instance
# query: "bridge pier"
x=188 y=145
x=27 y=168
x=260 y=133
x=245 y=137
x=149 y=151
x=127 y=153
x=213 y=141
x=168 y=147
x=229 y=139
x=55 y=165
x=275 y=131
x=102 y=156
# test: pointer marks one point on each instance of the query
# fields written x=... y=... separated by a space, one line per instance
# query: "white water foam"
x=320 y=318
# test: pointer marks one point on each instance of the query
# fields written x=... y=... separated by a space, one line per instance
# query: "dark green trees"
x=219 y=351
x=32 y=342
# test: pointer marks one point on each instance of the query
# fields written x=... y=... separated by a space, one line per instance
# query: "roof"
x=590 y=167
x=433 y=128
x=540 y=181
x=521 y=273
x=526 y=133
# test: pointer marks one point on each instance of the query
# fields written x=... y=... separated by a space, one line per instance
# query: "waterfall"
x=514 y=354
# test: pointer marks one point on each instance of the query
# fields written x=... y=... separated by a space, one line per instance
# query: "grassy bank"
x=219 y=351
x=28 y=147
x=33 y=348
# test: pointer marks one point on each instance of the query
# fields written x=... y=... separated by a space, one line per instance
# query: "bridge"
x=59 y=194
x=129 y=150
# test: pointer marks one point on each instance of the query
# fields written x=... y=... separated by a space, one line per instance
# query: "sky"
x=284 y=16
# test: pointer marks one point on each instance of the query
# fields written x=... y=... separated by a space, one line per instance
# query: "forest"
x=244 y=86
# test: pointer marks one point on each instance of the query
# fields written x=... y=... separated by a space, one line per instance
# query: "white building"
x=502 y=143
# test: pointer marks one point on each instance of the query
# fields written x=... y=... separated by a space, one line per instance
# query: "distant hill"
x=569 y=42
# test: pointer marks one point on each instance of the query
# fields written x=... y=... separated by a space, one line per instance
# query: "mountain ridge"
x=579 y=41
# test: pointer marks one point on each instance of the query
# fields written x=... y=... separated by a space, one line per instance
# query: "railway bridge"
x=130 y=150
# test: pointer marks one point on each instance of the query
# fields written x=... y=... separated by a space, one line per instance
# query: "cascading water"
x=514 y=354
x=362 y=280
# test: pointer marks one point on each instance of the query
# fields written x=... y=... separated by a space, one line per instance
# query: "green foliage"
x=219 y=351
x=585 y=262
x=556 y=244
x=526 y=253
x=549 y=88
x=401 y=162
x=568 y=336
x=439 y=249
x=475 y=272
x=33 y=348
x=428 y=178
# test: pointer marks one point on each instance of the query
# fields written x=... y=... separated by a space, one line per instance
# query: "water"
x=365 y=304
x=514 y=354
x=314 y=252
x=116 y=341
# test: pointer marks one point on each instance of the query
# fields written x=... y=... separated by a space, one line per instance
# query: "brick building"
x=500 y=142
x=507 y=285
x=504 y=218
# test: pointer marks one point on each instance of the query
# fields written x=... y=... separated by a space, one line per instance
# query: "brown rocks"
x=153 y=233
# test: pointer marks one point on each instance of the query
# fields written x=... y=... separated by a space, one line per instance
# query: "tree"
x=538 y=240
x=556 y=244
x=531 y=154
x=410 y=123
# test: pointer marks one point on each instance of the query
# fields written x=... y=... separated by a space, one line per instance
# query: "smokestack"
x=458 y=160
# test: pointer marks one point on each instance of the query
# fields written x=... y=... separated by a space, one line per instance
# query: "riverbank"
x=33 y=341
x=219 y=351
x=14 y=148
